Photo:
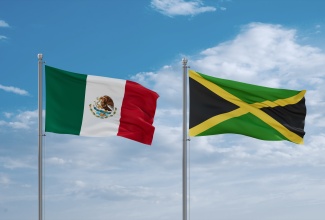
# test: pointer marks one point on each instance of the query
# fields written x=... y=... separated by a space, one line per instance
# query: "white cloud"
x=22 y=120
x=13 y=163
x=4 y=180
x=180 y=7
x=56 y=161
x=8 y=114
x=2 y=37
x=3 y=23
x=262 y=50
x=14 y=90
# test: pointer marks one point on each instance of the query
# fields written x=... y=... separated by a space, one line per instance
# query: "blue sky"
x=270 y=43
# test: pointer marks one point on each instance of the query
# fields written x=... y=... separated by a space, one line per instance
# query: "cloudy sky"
x=276 y=43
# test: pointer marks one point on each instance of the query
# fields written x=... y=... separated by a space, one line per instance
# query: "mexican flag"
x=88 y=105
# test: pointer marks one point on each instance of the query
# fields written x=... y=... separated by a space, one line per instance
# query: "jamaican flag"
x=219 y=106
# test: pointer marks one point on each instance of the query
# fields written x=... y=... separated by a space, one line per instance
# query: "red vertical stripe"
x=137 y=113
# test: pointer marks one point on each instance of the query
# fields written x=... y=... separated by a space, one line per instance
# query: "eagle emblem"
x=103 y=107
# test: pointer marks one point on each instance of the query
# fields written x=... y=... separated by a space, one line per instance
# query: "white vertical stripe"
x=96 y=87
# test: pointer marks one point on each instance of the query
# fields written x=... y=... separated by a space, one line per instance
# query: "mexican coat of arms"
x=103 y=107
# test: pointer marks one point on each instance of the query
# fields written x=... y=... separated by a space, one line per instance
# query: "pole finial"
x=40 y=56
x=184 y=60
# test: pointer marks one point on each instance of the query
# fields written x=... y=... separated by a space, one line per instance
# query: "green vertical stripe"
x=65 y=94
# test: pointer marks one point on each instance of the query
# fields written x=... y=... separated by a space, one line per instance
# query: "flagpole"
x=184 y=61
x=40 y=137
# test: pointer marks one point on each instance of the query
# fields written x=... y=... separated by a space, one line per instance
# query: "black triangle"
x=205 y=104
x=290 y=116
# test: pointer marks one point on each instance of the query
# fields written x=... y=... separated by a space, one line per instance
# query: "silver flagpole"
x=184 y=60
x=40 y=137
